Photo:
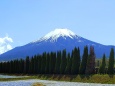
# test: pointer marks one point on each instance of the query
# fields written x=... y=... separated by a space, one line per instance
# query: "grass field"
x=104 y=79
x=38 y=84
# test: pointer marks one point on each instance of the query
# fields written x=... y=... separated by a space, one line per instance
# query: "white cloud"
x=5 y=44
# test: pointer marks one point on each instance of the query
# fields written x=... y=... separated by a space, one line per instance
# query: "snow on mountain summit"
x=55 y=34
x=59 y=32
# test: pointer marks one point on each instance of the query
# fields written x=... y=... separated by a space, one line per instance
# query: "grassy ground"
x=105 y=79
x=38 y=84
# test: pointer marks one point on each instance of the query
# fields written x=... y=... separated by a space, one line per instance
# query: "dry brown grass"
x=38 y=84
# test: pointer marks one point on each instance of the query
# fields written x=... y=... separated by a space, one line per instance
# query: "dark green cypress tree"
x=31 y=67
x=27 y=64
x=43 y=63
x=54 y=61
x=90 y=68
x=22 y=65
x=63 y=62
x=72 y=53
x=4 y=67
x=17 y=69
x=51 y=63
x=8 y=67
x=111 y=62
x=84 y=61
x=47 y=63
x=39 y=64
x=78 y=61
x=58 y=62
x=97 y=63
x=35 y=64
x=0 y=67
x=14 y=67
x=103 y=65
x=75 y=61
x=68 y=67
x=11 y=66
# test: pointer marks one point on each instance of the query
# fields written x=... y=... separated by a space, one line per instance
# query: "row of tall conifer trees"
x=59 y=62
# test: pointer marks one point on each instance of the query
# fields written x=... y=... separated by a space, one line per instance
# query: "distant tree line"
x=60 y=62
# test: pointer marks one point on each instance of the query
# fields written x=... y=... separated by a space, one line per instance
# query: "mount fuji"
x=58 y=39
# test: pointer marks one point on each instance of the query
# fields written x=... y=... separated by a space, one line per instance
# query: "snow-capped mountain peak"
x=57 y=33
x=56 y=40
x=60 y=32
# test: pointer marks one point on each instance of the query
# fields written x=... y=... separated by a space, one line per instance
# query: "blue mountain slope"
x=55 y=43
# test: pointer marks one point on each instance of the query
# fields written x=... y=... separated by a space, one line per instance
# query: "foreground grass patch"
x=96 y=78
x=38 y=84
x=104 y=79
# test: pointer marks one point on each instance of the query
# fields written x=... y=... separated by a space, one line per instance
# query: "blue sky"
x=26 y=20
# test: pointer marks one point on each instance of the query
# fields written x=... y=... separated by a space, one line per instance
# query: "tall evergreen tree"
x=75 y=61
x=103 y=65
x=63 y=62
x=51 y=63
x=47 y=63
x=43 y=65
x=97 y=63
x=90 y=68
x=54 y=62
x=58 y=62
x=31 y=65
x=111 y=62
x=72 y=53
x=69 y=63
x=78 y=61
x=27 y=64
x=11 y=67
x=84 y=61
x=39 y=64
x=22 y=65
x=35 y=64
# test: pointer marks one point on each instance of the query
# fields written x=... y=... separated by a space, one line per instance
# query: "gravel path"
x=48 y=83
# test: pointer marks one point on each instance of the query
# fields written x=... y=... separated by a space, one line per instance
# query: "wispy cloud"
x=5 y=44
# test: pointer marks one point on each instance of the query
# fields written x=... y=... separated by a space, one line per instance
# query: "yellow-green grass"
x=38 y=84
x=96 y=78
x=104 y=79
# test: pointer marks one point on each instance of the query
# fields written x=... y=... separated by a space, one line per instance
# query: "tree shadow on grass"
x=59 y=77
x=85 y=76
x=72 y=77
x=47 y=76
x=111 y=75
x=54 y=76
x=65 y=77
x=40 y=76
